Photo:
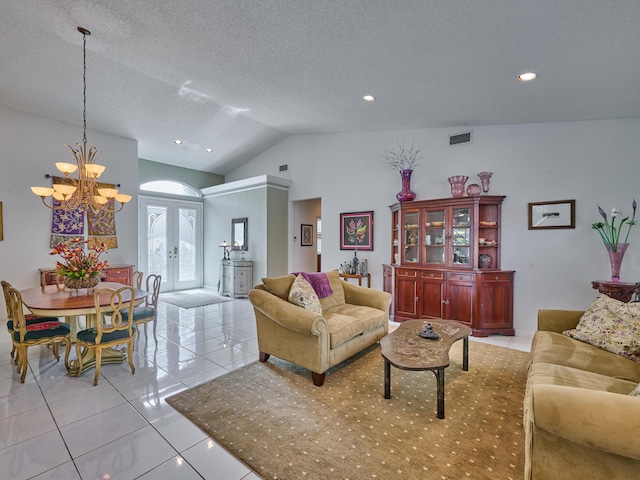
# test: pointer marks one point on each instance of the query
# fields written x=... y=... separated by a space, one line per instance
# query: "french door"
x=171 y=242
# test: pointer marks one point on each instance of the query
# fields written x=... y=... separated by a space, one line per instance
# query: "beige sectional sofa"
x=352 y=318
x=579 y=420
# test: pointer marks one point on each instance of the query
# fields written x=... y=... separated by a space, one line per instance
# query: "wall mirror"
x=239 y=233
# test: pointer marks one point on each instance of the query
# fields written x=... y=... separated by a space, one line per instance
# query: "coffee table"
x=404 y=349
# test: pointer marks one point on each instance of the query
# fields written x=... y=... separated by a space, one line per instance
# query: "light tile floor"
x=59 y=427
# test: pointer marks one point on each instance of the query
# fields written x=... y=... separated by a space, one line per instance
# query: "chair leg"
x=13 y=348
x=130 y=355
x=98 y=363
x=55 y=350
x=155 y=324
x=145 y=329
x=23 y=363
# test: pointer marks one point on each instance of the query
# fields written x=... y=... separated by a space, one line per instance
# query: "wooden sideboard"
x=113 y=273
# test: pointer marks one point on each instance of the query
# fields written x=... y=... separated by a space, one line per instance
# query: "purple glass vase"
x=616 y=260
x=406 y=194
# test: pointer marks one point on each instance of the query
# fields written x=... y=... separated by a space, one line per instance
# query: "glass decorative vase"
x=406 y=194
x=484 y=179
x=616 y=259
x=457 y=185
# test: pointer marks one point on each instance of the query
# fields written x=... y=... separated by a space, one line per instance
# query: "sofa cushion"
x=303 y=295
x=342 y=328
x=548 y=374
x=337 y=297
x=559 y=349
x=612 y=325
x=370 y=317
x=279 y=286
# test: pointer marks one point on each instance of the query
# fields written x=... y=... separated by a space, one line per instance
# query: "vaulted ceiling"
x=238 y=76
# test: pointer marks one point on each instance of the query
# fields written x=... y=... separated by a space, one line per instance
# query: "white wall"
x=257 y=200
x=592 y=162
x=29 y=147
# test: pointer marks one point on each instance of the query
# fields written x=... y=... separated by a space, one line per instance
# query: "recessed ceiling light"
x=209 y=150
x=526 y=77
x=369 y=98
x=177 y=141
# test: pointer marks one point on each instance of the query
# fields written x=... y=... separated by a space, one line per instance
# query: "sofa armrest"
x=368 y=297
x=287 y=314
x=592 y=418
x=558 y=320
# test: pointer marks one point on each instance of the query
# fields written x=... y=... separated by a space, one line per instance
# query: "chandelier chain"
x=84 y=90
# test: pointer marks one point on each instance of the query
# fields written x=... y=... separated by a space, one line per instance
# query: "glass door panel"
x=461 y=231
x=411 y=237
x=171 y=242
x=434 y=236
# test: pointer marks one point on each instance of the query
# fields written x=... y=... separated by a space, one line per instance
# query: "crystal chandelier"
x=83 y=192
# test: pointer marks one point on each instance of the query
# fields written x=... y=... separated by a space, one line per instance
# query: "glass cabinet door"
x=434 y=239
x=460 y=237
x=411 y=240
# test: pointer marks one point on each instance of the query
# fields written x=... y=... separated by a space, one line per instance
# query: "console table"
x=619 y=290
x=358 y=277
x=236 y=278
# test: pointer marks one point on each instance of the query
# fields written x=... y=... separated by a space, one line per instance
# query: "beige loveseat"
x=579 y=420
x=353 y=318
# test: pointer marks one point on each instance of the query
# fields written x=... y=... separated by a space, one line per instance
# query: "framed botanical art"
x=356 y=231
x=551 y=215
x=306 y=235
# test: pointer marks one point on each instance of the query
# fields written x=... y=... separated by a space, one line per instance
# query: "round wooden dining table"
x=58 y=301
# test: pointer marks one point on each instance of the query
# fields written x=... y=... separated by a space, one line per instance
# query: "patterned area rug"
x=276 y=421
x=197 y=297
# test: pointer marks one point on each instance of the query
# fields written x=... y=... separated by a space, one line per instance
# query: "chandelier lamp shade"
x=83 y=191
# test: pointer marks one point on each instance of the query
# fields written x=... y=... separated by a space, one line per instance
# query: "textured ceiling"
x=240 y=75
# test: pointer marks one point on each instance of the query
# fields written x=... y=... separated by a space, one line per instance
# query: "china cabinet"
x=446 y=263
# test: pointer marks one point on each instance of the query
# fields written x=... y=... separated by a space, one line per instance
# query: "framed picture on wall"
x=356 y=231
x=555 y=214
x=306 y=235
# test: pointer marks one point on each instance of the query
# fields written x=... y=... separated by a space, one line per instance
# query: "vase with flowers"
x=80 y=268
x=403 y=159
x=610 y=235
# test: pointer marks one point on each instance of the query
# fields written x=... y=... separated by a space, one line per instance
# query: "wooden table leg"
x=387 y=379
x=439 y=372
x=465 y=354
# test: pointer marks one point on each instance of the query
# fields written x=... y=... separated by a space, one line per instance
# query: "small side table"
x=358 y=277
x=619 y=290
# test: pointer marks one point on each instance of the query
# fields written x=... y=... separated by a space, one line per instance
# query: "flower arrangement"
x=403 y=158
x=609 y=233
x=77 y=262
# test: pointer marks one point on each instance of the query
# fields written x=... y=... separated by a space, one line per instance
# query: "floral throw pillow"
x=611 y=325
x=635 y=392
x=303 y=295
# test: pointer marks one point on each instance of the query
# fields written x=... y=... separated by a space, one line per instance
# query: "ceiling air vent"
x=460 y=138
x=284 y=168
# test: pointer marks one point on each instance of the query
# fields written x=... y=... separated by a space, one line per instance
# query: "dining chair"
x=28 y=318
x=108 y=331
x=136 y=279
x=41 y=333
x=148 y=312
